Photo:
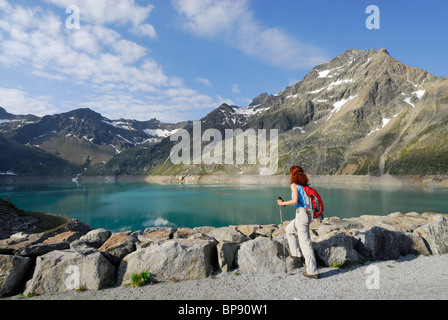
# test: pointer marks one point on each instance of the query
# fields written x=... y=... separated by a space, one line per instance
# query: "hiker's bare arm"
x=295 y=197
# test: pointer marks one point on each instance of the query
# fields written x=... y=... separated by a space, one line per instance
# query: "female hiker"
x=297 y=232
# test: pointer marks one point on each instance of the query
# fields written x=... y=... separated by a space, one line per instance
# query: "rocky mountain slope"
x=9 y=121
x=362 y=113
x=79 y=138
x=17 y=159
x=367 y=113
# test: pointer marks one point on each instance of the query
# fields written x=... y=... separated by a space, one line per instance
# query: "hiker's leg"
x=293 y=241
x=303 y=232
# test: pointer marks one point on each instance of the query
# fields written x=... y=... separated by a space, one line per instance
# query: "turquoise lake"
x=120 y=207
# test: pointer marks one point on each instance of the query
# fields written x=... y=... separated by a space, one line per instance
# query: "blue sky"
x=179 y=59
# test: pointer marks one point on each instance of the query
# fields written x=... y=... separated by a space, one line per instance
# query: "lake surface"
x=120 y=207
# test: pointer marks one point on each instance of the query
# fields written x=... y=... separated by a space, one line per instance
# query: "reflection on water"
x=121 y=207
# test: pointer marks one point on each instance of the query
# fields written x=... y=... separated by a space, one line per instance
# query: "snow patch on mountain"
x=161 y=133
x=7 y=121
x=324 y=74
x=316 y=91
x=119 y=124
x=299 y=128
x=338 y=83
x=419 y=93
x=249 y=111
x=338 y=105
x=408 y=100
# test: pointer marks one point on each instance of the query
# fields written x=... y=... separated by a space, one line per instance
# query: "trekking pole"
x=281 y=223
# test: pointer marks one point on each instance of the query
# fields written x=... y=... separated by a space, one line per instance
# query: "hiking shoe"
x=312 y=276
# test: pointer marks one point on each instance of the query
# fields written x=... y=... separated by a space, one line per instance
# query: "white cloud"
x=84 y=40
x=174 y=107
x=235 y=88
x=222 y=100
x=117 y=76
x=210 y=17
x=145 y=30
x=204 y=81
x=233 y=20
x=5 y=6
x=19 y=102
x=103 y=12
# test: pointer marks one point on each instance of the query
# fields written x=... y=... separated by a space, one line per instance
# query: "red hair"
x=298 y=176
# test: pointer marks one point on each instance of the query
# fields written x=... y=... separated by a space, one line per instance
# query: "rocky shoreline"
x=353 y=181
x=75 y=257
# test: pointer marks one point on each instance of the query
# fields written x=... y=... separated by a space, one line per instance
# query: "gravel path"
x=410 y=277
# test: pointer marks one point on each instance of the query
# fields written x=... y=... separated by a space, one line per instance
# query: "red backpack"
x=314 y=204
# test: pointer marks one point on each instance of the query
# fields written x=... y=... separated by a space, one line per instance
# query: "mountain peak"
x=260 y=99
x=84 y=113
x=383 y=50
x=4 y=114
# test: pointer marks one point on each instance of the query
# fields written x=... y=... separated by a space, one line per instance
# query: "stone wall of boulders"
x=47 y=263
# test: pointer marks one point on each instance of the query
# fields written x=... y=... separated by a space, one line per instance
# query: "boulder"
x=336 y=247
x=249 y=230
x=228 y=234
x=93 y=239
x=183 y=233
x=146 y=239
x=396 y=214
x=435 y=234
x=432 y=216
x=40 y=249
x=314 y=225
x=202 y=236
x=266 y=231
x=177 y=259
x=204 y=229
x=158 y=229
x=68 y=236
x=415 y=245
x=11 y=245
x=226 y=255
x=337 y=224
x=400 y=223
x=326 y=228
x=262 y=255
x=59 y=241
x=414 y=215
x=118 y=246
x=12 y=273
x=135 y=234
x=143 y=244
x=155 y=236
x=280 y=230
x=405 y=224
x=68 y=270
x=20 y=236
x=381 y=244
